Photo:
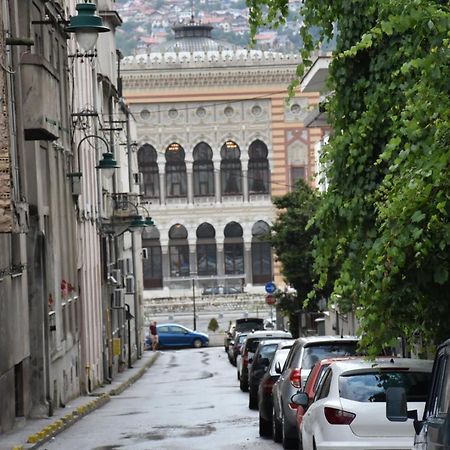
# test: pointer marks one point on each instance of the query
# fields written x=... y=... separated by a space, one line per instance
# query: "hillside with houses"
x=147 y=23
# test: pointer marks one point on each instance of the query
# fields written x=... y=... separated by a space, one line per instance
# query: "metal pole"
x=128 y=315
x=193 y=301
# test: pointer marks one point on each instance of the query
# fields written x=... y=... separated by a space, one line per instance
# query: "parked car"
x=175 y=335
x=259 y=365
x=310 y=389
x=349 y=408
x=242 y=325
x=248 y=350
x=433 y=431
x=265 y=387
x=235 y=347
x=305 y=352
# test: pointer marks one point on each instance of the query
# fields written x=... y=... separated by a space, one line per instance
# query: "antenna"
x=192 y=11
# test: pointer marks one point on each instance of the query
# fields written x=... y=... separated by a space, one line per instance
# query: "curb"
x=59 y=425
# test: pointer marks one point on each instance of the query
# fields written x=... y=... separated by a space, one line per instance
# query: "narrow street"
x=189 y=399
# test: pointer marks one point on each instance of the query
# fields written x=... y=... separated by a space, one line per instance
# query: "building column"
x=165 y=263
x=220 y=261
x=162 y=185
x=248 y=263
x=190 y=183
x=193 y=259
x=217 y=185
x=245 y=185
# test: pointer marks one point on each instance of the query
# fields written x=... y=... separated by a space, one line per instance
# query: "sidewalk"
x=35 y=432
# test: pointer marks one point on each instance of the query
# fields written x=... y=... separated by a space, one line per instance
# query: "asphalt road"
x=188 y=400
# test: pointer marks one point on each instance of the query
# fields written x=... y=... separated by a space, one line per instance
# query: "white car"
x=349 y=408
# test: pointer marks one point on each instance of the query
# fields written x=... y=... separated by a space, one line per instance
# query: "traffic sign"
x=270 y=299
x=270 y=287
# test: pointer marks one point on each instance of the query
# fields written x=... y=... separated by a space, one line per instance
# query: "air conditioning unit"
x=129 y=284
x=144 y=253
x=117 y=275
x=118 y=298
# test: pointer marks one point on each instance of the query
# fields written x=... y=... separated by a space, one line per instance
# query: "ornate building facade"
x=217 y=140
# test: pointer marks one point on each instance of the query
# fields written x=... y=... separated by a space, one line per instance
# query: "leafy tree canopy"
x=384 y=221
x=292 y=240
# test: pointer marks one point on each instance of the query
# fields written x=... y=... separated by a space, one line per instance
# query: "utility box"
x=41 y=92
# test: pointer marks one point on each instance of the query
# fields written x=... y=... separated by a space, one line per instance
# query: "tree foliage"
x=384 y=221
x=292 y=240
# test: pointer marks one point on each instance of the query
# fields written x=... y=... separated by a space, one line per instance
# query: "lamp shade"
x=149 y=221
x=138 y=222
x=107 y=164
x=86 y=25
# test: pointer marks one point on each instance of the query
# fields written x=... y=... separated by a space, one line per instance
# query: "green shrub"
x=213 y=325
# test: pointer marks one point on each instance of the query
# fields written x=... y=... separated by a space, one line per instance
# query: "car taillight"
x=267 y=386
x=296 y=379
x=338 y=416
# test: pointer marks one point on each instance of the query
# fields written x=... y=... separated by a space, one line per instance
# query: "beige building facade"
x=217 y=140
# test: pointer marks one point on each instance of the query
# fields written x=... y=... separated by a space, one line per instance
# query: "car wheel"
x=265 y=429
x=276 y=428
x=197 y=343
x=252 y=401
x=243 y=386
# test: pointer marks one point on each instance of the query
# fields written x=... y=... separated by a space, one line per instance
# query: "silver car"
x=305 y=352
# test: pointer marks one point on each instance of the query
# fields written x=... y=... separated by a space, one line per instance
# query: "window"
x=258 y=168
x=261 y=253
x=152 y=266
x=178 y=251
x=439 y=402
x=176 y=179
x=371 y=387
x=297 y=173
x=206 y=250
x=203 y=170
x=324 y=387
x=231 y=169
x=147 y=162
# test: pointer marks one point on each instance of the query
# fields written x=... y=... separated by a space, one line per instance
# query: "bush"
x=213 y=325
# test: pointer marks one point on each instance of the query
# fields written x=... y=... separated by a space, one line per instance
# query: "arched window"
x=231 y=169
x=203 y=170
x=152 y=263
x=233 y=249
x=261 y=253
x=258 y=168
x=178 y=251
x=206 y=250
x=148 y=166
x=176 y=179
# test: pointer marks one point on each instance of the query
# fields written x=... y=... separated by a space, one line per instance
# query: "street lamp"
x=86 y=25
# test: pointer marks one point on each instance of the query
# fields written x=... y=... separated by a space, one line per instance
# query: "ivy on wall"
x=384 y=221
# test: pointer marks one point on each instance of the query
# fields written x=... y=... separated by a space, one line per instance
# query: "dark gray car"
x=305 y=352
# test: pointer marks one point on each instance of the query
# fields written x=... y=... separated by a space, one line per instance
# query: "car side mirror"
x=300 y=399
x=278 y=368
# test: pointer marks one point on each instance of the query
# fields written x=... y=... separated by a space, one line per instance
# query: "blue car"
x=175 y=335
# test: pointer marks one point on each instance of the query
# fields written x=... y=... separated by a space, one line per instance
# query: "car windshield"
x=371 y=387
x=315 y=353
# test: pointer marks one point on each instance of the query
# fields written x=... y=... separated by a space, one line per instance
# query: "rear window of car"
x=252 y=343
x=371 y=387
x=314 y=353
x=249 y=326
x=266 y=351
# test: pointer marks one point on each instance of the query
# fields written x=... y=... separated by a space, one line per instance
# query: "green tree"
x=384 y=221
x=213 y=325
x=292 y=239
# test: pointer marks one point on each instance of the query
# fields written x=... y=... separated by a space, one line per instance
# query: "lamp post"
x=86 y=25
x=193 y=303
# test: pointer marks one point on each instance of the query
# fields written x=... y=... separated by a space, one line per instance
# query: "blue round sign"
x=270 y=287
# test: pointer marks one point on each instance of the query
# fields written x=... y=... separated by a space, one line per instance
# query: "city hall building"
x=217 y=140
